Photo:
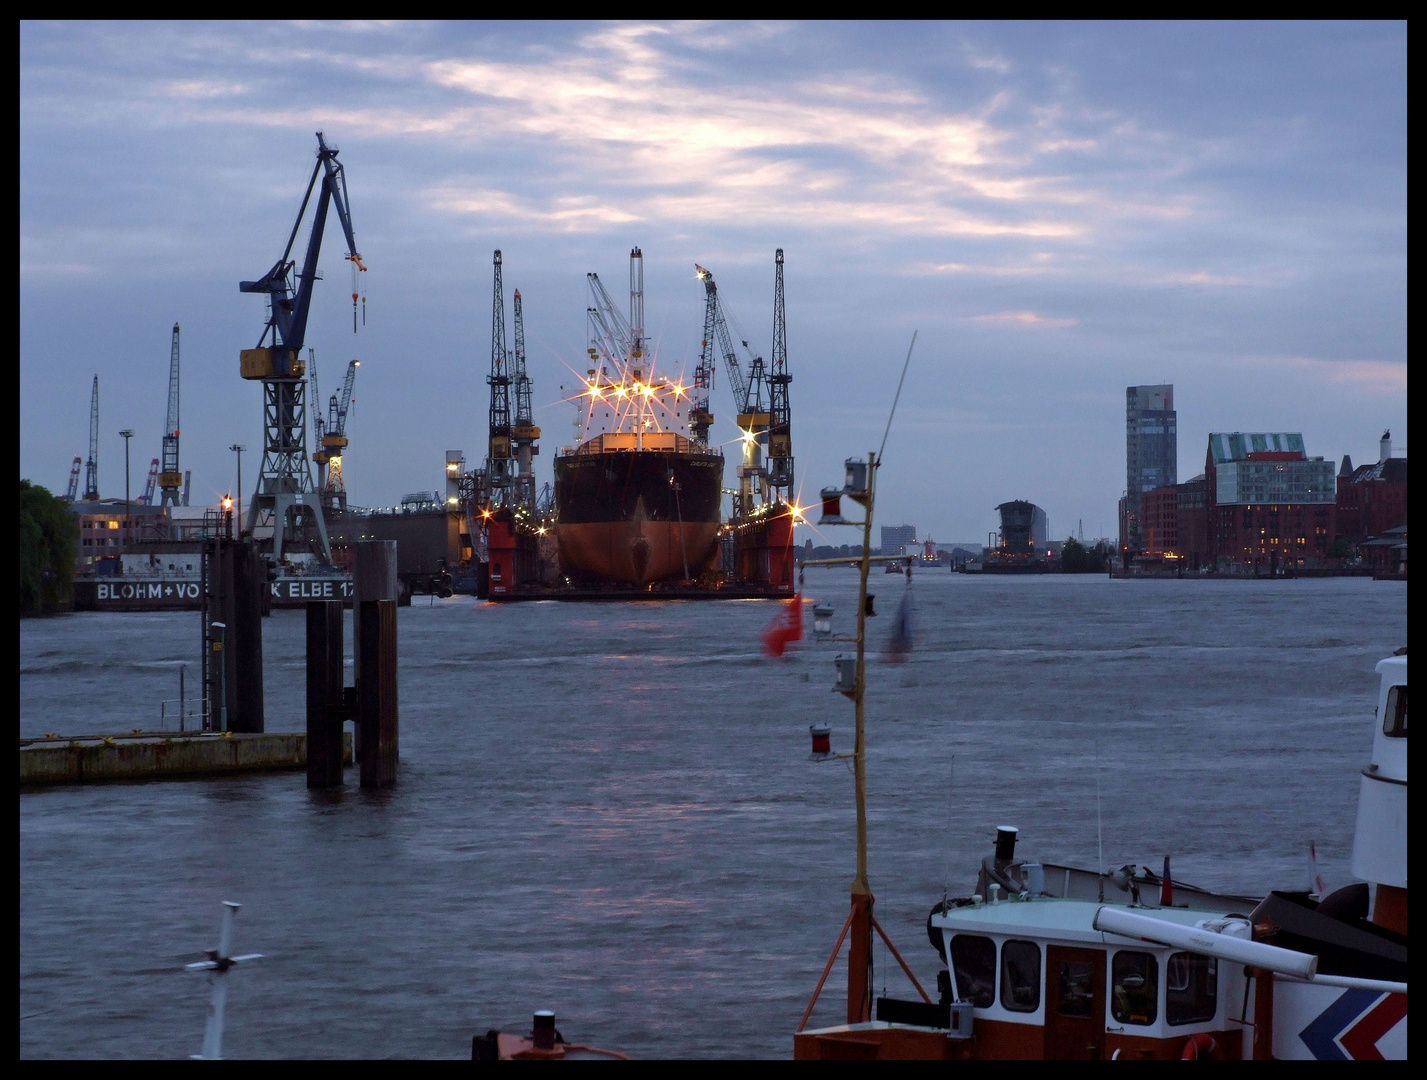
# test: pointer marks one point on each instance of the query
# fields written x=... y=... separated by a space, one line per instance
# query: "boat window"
x=1193 y=988
x=1134 y=993
x=973 y=959
x=1021 y=976
x=1394 y=717
x=1077 y=989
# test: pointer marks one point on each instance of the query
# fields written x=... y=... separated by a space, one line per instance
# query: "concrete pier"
x=158 y=755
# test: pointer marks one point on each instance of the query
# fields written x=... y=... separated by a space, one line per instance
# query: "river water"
x=609 y=810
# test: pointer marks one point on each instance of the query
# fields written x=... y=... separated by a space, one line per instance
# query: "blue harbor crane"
x=285 y=480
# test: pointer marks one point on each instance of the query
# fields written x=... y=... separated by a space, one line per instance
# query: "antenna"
x=217 y=965
x=898 y=398
x=1099 y=826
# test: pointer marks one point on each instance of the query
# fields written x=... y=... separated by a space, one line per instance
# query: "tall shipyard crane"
x=285 y=478
x=780 y=410
x=91 y=464
x=500 y=474
x=170 y=478
x=750 y=395
x=332 y=439
x=523 y=433
x=73 y=489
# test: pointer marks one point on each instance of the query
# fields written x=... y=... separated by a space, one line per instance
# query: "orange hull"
x=637 y=552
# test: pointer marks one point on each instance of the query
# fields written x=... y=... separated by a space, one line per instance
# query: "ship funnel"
x=543 y=1033
x=1006 y=842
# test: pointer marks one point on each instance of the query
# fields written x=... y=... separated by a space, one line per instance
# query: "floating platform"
x=626 y=594
x=159 y=755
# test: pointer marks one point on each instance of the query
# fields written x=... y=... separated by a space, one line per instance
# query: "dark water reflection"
x=609 y=810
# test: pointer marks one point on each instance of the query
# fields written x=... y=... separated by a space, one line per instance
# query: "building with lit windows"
x=897 y=538
x=1270 y=505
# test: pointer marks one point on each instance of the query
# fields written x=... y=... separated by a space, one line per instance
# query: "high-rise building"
x=1151 y=452
x=895 y=538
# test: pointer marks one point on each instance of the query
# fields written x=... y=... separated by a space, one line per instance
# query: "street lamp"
x=127 y=433
x=239 y=515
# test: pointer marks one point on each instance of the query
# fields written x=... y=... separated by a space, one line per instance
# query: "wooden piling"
x=325 y=710
x=374 y=613
x=234 y=581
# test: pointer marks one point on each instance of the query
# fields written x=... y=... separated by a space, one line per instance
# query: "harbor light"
x=856 y=476
x=822 y=739
x=822 y=620
x=832 y=507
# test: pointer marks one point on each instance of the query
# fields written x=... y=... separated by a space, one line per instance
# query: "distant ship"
x=637 y=502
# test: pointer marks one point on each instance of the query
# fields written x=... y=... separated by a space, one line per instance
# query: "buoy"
x=822 y=738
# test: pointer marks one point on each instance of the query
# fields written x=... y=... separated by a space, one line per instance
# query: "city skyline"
x=1059 y=210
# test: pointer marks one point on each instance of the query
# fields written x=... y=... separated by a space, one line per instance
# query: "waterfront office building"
x=1270 y=505
x=1151 y=453
x=897 y=538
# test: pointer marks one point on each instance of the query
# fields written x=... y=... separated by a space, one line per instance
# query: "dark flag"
x=900 y=644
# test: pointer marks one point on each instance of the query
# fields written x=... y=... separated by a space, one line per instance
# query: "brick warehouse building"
x=1372 y=498
x=1270 y=505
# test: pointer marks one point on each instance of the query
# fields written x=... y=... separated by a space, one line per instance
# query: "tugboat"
x=1041 y=965
x=1053 y=963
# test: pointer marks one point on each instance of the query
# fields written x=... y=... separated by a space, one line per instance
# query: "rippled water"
x=609 y=810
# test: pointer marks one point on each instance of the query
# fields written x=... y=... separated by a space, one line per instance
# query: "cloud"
x=1374 y=376
x=1025 y=318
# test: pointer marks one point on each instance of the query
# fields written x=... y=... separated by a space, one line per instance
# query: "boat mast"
x=859 y=958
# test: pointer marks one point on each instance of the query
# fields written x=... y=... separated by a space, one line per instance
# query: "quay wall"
x=158 y=756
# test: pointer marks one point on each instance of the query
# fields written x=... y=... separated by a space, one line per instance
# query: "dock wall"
x=156 y=756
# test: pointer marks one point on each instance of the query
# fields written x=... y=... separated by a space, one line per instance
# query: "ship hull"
x=634 y=517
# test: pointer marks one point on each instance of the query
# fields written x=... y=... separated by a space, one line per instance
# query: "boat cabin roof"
x=1051 y=919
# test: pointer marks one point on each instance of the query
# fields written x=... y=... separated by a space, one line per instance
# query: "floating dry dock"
x=157 y=755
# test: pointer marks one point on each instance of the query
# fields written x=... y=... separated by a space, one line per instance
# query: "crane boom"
x=524 y=433
x=523 y=409
x=73 y=489
x=147 y=498
x=612 y=323
x=290 y=306
x=716 y=337
x=170 y=478
x=338 y=423
x=780 y=420
x=498 y=458
x=91 y=464
x=318 y=421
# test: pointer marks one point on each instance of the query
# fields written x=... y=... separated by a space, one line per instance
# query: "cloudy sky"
x=1058 y=210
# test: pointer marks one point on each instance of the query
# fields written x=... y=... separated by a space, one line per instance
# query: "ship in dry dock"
x=636 y=501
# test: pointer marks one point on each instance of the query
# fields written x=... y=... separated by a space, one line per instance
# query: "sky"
x=1057 y=210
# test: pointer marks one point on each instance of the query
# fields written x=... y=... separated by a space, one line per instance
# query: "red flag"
x=786 y=626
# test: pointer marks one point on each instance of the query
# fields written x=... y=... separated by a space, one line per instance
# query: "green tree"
x=1076 y=558
x=49 y=536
